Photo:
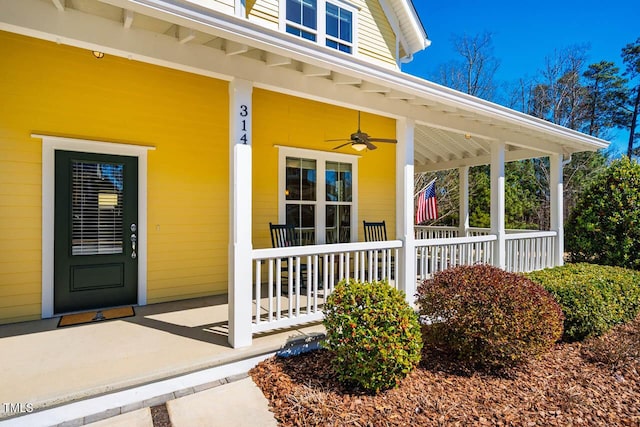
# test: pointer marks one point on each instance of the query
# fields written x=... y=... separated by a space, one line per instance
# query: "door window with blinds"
x=319 y=193
x=97 y=207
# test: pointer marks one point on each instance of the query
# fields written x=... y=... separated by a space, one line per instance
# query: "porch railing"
x=435 y=232
x=433 y=255
x=291 y=285
x=530 y=250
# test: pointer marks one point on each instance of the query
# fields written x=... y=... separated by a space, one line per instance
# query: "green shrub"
x=485 y=317
x=604 y=227
x=593 y=297
x=373 y=333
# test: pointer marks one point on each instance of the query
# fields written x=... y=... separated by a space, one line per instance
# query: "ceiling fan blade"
x=369 y=145
x=336 y=140
x=393 y=141
x=343 y=145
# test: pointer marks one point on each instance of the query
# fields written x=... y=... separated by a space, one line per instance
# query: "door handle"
x=133 y=239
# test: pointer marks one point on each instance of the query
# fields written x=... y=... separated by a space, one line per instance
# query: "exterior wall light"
x=98 y=54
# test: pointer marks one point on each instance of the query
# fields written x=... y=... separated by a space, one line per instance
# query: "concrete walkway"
x=172 y=350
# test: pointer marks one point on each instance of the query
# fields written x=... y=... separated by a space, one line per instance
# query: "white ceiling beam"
x=457 y=124
x=422 y=102
x=127 y=18
x=185 y=35
x=314 y=71
x=274 y=60
x=394 y=94
x=444 y=108
x=510 y=156
x=233 y=48
x=342 y=79
x=59 y=4
x=372 y=87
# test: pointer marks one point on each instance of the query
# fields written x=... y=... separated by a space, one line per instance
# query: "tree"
x=605 y=226
x=474 y=73
x=631 y=58
x=559 y=96
x=606 y=94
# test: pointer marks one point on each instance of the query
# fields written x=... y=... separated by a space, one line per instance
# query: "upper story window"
x=302 y=18
x=339 y=28
x=328 y=22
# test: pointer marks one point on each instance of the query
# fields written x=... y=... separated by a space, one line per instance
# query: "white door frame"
x=49 y=146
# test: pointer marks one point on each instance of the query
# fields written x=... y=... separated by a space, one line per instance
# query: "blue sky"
x=524 y=33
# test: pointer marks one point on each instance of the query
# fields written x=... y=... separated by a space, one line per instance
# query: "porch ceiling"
x=452 y=129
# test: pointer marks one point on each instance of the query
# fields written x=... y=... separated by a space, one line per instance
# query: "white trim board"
x=49 y=145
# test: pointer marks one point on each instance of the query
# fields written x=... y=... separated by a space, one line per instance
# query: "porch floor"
x=48 y=366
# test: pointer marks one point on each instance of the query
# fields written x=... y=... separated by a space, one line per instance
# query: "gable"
x=378 y=34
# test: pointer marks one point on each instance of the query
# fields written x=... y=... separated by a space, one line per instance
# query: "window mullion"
x=322 y=22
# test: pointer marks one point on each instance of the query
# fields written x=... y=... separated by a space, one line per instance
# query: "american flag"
x=427 y=206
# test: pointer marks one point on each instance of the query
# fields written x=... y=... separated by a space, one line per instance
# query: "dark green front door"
x=96 y=217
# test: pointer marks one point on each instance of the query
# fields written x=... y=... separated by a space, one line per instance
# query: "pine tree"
x=606 y=94
x=631 y=58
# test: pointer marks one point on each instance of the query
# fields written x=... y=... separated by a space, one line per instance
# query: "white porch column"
x=240 y=195
x=498 y=204
x=463 y=214
x=406 y=269
x=557 y=206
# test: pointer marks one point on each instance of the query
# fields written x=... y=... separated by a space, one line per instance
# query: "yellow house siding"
x=60 y=90
x=285 y=120
x=264 y=12
x=376 y=38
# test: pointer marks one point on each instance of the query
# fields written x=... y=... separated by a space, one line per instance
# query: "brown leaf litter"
x=595 y=383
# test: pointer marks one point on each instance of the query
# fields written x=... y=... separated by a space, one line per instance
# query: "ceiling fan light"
x=358 y=146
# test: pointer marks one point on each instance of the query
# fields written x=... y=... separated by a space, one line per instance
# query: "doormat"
x=96 y=316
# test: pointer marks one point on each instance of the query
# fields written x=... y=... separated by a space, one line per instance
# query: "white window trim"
x=321 y=20
x=354 y=25
x=49 y=146
x=321 y=157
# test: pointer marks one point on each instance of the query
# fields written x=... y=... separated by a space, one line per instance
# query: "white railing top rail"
x=324 y=249
x=455 y=240
x=527 y=234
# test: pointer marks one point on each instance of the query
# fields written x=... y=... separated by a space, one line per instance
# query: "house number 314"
x=244 y=112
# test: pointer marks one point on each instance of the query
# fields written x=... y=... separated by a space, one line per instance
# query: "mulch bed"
x=596 y=383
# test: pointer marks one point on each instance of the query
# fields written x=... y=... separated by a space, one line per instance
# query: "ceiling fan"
x=360 y=140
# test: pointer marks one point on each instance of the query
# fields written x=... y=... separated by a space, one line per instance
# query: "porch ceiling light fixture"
x=359 y=146
x=467 y=136
x=97 y=54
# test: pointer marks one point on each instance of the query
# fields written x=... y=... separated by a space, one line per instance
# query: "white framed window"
x=318 y=193
x=302 y=18
x=330 y=23
x=339 y=28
